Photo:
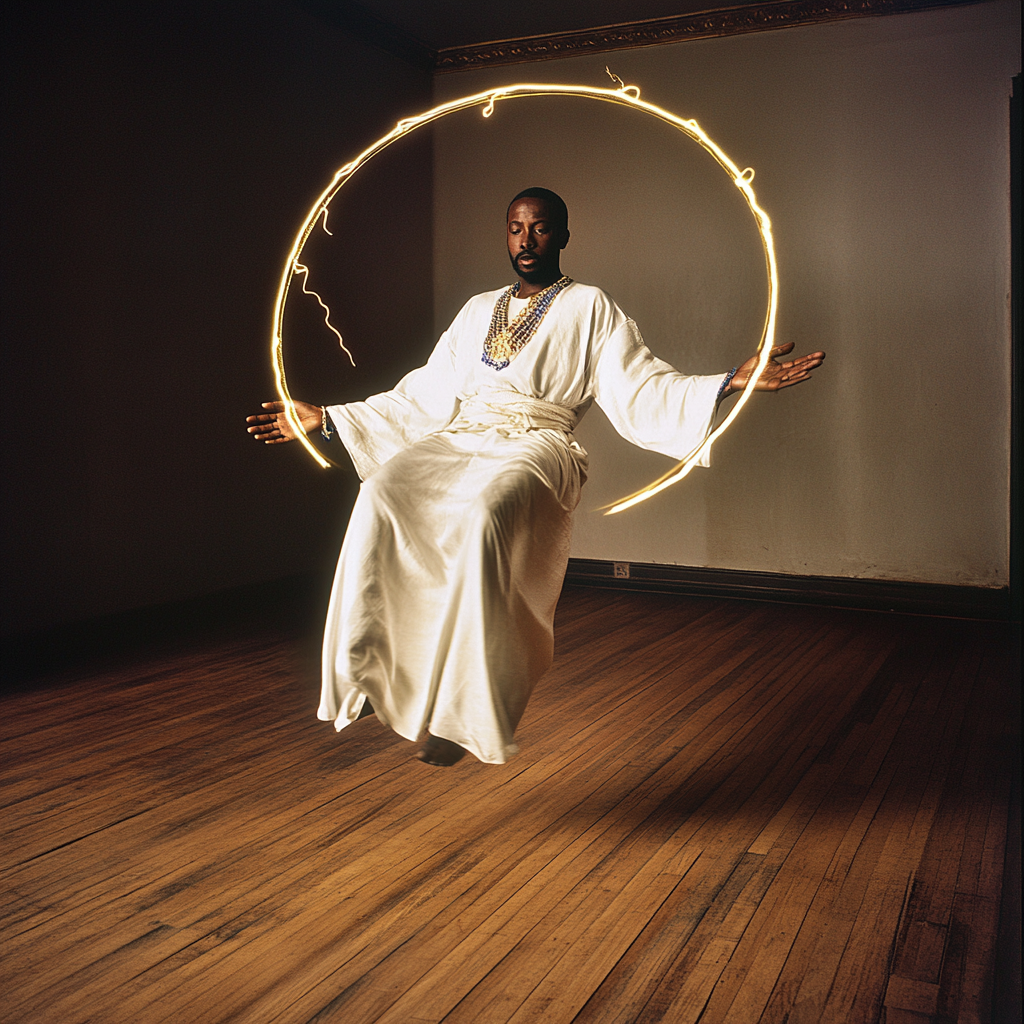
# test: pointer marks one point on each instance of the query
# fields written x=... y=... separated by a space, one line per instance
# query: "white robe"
x=443 y=603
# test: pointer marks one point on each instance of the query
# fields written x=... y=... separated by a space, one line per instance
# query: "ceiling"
x=444 y=24
x=451 y=35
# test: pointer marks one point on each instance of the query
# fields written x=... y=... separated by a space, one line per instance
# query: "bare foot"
x=441 y=752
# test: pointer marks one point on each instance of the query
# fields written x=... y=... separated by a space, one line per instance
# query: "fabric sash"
x=511 y=413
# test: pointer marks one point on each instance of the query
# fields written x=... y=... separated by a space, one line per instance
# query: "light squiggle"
x=625 y=95
x=304 y=271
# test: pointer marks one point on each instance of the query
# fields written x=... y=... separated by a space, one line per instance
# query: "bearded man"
x=443 y=605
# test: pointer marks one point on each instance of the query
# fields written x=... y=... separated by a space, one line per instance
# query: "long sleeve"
x=649 y=402
x=423 y=401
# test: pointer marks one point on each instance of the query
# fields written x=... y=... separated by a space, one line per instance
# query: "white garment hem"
x=342 y=722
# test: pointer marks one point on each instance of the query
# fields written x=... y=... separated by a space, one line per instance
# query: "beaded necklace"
x=505 y=340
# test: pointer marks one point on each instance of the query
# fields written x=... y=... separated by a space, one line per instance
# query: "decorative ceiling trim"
x=730 y=21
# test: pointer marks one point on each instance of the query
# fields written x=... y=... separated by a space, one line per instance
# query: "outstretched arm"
x=776 y=375
x=272 y=427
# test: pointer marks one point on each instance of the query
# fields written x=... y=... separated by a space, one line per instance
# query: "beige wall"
x=880 y=147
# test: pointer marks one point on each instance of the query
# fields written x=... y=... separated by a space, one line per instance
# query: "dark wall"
x=159 y=159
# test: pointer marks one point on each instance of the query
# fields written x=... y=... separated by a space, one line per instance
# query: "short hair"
x=556 y=204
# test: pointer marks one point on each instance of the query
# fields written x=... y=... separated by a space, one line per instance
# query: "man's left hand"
x=776 y=374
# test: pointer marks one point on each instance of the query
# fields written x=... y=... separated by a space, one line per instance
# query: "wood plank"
x=861 y=979
x=722 y=811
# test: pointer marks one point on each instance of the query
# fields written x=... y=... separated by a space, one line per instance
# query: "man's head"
x=538 y=230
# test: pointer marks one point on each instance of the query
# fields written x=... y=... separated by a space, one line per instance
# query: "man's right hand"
x=272 y=427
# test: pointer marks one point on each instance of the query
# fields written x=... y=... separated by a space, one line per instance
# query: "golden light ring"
x=626 y=96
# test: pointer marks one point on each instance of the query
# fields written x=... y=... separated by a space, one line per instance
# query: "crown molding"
x=729 y=21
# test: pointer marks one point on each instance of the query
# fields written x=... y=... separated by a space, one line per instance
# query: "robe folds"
x=443 y=604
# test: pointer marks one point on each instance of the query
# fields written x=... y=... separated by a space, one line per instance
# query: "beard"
x=542 y=271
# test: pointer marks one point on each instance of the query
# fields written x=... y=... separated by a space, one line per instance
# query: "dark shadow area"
x=158 y=162
x=295 y=605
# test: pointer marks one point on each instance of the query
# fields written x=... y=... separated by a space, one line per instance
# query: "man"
x=443 y=604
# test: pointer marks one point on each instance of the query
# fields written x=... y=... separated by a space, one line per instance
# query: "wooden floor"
x=723 y=811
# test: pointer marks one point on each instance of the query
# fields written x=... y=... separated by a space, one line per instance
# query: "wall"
x=880 y=146
x=159 y=159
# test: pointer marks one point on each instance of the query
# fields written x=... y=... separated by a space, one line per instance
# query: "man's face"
x=534 y=240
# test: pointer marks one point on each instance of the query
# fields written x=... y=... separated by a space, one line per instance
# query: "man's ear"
x=565 y=238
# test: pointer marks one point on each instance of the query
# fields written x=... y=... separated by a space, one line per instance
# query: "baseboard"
x=301 y=599
x=836 y=591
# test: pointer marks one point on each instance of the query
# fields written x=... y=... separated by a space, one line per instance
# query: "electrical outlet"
x=620 y=570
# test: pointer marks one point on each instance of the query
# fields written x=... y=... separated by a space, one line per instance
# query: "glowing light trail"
x=626 y=96
x=300 y=269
